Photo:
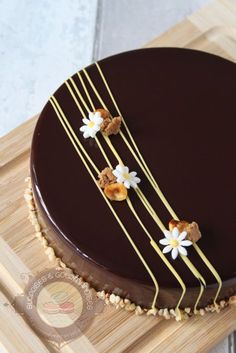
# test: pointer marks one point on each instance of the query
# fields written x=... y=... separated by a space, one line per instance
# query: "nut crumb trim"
x=110 y=298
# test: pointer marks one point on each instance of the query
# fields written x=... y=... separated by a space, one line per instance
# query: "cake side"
x=103 y=281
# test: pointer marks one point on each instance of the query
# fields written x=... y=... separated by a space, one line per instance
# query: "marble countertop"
x=42 y=43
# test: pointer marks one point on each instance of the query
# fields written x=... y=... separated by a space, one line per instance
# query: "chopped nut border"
x=112 y=299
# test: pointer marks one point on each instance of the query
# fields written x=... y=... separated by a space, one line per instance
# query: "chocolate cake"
x=133 y=175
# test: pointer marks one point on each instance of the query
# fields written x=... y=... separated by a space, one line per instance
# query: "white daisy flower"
x=175 y=242
x=92 y=124
x=129 y=179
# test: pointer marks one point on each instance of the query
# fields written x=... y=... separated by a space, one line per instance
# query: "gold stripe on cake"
x=146 y=203
x=157 y=188
x=71 y=135
x=148 y=206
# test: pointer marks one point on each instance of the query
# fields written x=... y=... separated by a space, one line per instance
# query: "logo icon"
x=58 y=305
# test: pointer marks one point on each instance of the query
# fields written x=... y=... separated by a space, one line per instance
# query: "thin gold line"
x=79 y=94
x=86 y=91
x=95 y=90
x=152 y=242
x=67 y=127
x=76 y=101
x=189 y=264
x=91 y=102
x=151 y=210
x=171 y=211
x=79 y=143
x=138 y=191
x=148 y=206
x=159 y=252
x=140 y=194
x=84 y=116
x=213 y=270
x=150 y=178
x=145 y=169
x=198 y=276
x=103 y=153
x=119 y=160
x=125 y=125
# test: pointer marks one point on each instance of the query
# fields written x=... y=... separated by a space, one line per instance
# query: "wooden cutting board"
x=210 y=29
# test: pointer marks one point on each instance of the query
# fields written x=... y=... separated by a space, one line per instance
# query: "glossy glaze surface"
x=180 y=107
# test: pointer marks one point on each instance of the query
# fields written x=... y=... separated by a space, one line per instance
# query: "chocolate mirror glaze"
x=180 y=107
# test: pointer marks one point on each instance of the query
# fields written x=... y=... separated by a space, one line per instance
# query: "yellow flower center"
x=126 y=175
x=174 y=243
x=91 y=124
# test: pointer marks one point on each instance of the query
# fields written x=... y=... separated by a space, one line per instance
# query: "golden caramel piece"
x=113 y=127
x=116 y=192
x=192 y=229
x=181 y=225
x=106 y=177
x=105 y=114
x=110 y=126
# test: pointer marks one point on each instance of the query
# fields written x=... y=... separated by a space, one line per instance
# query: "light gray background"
x=43 y=42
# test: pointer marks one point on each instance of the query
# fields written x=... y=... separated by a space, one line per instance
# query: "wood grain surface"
x=210 y=29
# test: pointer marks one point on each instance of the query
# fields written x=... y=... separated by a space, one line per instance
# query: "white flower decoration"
x=175 y=242
x=129 y=179
x=92 y=124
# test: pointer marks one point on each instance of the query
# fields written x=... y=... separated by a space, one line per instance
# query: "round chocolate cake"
x=133 y=174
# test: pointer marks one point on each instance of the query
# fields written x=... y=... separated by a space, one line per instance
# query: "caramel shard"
x=106 y=177
x=116 y=192
x=192 y=229
x=105 y=114
x=181 y=225
x=110 y=126
x=113 y=127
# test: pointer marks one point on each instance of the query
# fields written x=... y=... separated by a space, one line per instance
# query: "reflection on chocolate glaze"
x=180 y=107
